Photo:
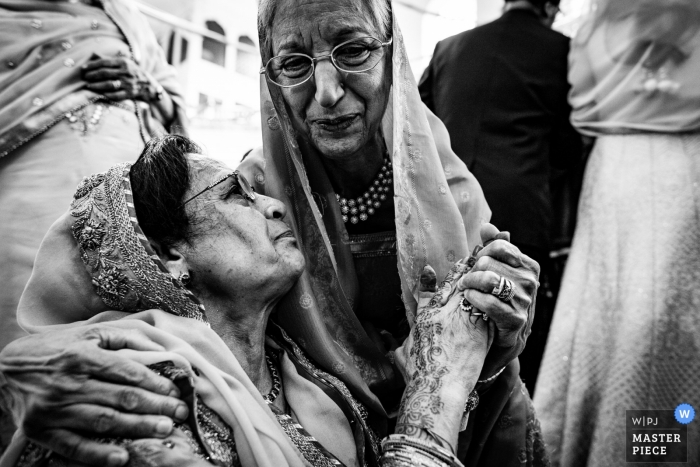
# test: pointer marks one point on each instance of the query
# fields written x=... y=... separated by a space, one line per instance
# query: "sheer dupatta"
x=439 y=210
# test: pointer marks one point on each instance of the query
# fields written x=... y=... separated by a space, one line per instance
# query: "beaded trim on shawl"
x=126 y=272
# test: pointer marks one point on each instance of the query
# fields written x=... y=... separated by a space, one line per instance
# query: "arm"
x=441 y=361
x=63 y=384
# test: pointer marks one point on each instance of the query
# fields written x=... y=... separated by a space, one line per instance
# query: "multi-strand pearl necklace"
x=360 y=208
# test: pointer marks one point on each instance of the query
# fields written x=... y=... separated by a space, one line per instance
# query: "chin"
x=339 y=148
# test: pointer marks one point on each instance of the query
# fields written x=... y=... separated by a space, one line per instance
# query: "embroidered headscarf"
x=440 y=208
x=127 y=273
x=95 y=260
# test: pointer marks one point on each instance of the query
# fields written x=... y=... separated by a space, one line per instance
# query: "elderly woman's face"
x=238 y=246
x=338 y=113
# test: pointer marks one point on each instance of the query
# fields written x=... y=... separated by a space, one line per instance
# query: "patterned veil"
x=440 y=208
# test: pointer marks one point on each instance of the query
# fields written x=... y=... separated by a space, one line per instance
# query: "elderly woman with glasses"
x=375 y=193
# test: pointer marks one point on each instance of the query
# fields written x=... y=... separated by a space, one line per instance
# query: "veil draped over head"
x=96 y=266
x=634 y=66
x=440 y=208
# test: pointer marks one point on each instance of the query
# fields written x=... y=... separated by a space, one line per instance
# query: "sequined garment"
x=626 y=330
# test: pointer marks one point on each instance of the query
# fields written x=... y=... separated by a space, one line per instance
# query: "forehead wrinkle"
x=336 y=19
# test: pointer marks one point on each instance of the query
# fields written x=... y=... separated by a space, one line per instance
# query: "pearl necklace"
x=360 y=208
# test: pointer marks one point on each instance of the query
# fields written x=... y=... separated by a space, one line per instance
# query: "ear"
x=173 y=260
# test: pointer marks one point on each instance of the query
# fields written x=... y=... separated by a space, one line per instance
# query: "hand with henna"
x=440 y=360
x=63 y=384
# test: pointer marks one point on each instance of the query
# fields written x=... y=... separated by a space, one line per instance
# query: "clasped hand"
x=118 y=79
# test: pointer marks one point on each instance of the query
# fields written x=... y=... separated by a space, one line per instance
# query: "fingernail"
x=164 y=427
x=175 y=392
x=117 y=459
x=181 y=413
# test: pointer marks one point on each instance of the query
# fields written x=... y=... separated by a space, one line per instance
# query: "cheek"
x=296 y=102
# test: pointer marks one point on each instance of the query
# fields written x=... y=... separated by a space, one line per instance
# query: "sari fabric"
x=44 y=43
x=439 y=209
x=105 y=262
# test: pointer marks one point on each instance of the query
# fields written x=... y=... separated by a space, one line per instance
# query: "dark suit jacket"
x=501 y=90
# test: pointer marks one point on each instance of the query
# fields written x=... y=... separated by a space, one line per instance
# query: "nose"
x=329 y=85
x=271 y=208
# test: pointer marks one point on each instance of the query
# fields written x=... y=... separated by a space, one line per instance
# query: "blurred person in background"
x=626 y=331
x=501 y=90
x=82 y=85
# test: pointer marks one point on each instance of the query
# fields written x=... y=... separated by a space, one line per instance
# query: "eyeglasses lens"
x=355 y=56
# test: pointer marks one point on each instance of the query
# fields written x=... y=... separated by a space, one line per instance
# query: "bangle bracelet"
x=488 y=380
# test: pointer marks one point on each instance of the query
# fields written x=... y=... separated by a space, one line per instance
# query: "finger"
x=111 y=338
x=104 y=421
x=506 y=317
x=103 y=74
x=104 y=87
x=109 y=366
x=488 y=233
x=75 y=447
x=428 y=280
x=503 y=251
x=484 y=281
x=104 y=63
x=132 y=400
x=503 y=236
x=118 y=96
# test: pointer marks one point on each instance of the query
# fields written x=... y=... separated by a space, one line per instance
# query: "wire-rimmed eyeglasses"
x=354 y=56
x=246 y=190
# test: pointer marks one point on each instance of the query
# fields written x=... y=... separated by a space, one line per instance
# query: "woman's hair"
x=379 y=12
x=159 y=180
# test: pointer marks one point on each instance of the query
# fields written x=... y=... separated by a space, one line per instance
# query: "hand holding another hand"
x=441 y=359
x=512 y=318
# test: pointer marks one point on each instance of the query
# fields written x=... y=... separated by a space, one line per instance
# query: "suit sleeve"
x=425 y=86
x=566 y=147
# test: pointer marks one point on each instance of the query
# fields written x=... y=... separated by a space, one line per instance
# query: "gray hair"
x=379 y=12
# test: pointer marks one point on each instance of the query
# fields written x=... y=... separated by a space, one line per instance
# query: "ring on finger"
x=465 y=305
x=499 y=288
x=116 y=84
x=508 y=291
x=168 y=444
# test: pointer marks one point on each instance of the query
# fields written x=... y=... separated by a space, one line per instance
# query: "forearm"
x=434 y=406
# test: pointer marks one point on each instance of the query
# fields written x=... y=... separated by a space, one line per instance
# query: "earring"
x=184 y=278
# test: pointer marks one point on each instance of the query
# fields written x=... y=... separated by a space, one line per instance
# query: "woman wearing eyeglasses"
x=375 y=193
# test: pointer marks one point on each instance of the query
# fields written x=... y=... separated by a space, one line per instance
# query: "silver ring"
x=508 y=291
x=117 y=83
x=168 y=444
x=465 y=305
x=499 y=288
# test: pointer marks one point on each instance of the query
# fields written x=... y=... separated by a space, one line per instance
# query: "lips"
x=285 y=234
x=336 y=124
